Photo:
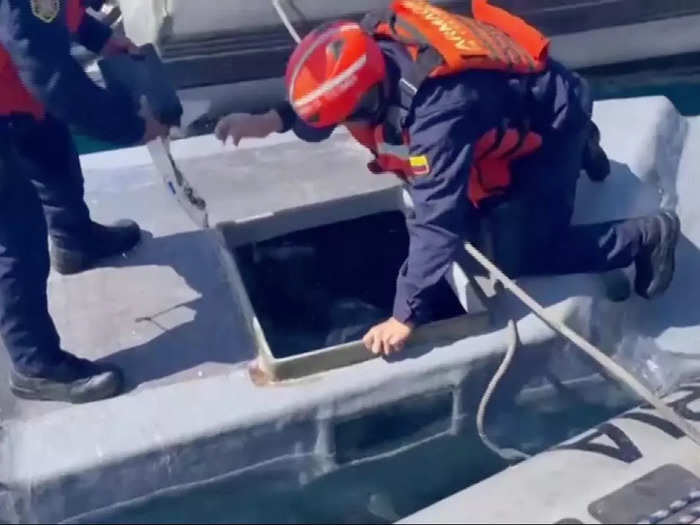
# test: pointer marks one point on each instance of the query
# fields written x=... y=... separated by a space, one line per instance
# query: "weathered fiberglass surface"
x=193 y=417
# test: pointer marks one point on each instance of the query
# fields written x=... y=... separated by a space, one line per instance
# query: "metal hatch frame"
x=268 y=226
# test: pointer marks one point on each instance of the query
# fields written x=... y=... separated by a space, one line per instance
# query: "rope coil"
x=619 y=373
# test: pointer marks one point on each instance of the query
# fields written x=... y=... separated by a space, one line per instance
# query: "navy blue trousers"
x=531 y=228
x=41 y=194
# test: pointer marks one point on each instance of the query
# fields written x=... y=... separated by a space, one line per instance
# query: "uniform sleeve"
x=41 y=53
x=93 y=34
x=442 y=143
x=307 y=133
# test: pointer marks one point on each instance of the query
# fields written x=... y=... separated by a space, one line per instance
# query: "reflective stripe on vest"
x=14 y=97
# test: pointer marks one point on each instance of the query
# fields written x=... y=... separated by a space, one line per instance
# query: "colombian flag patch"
x=420 y=166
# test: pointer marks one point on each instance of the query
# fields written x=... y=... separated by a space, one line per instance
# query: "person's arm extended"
x=280 y=119
x=437 y=226
x=441 y=151
x=40 y=51
x=302 y=130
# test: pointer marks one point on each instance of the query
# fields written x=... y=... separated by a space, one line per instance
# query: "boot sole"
x=111 y=386
x=77 y=263
x=659 y=285
x=71 y=262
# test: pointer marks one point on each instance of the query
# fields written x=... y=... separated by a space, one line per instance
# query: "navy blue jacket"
x=447 y=117
x=41 y=53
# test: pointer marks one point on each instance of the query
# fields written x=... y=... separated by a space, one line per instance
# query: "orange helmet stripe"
x=326 y=39
x=331 y=84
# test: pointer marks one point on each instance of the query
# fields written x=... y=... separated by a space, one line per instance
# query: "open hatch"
x=313 y=280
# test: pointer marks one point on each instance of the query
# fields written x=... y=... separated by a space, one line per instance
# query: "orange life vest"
x=14 y=97
x=441 y=44
x=491 y=39
x=490 y=170
x=490 y=173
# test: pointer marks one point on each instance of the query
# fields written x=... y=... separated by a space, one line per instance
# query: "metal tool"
x=144 y=79
x=194 y=205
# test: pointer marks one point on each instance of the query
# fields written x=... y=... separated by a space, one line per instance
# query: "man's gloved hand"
x=119 y=45
x=245 y=125
x=154 y=128
x=388 y=337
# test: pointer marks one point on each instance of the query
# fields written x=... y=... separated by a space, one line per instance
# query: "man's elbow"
x=313 y=135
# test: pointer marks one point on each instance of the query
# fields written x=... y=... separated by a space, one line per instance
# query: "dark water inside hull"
x=328 y=285
x=685 y=95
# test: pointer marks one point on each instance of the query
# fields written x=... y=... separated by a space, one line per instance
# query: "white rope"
x=508 y=454
x=285 y=20
x=618 y=372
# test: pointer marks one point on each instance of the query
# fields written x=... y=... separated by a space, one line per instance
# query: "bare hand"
x=119 y=45
x=388 y=337
x=154 y=128
x=244 y=125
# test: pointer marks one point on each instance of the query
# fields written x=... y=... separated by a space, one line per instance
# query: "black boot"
x=595 y=162
x=657 y=260
x=103 y=242
x=71 y=380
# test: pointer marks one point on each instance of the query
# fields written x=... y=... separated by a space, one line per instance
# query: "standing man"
x=481 y=125
x=42 y=90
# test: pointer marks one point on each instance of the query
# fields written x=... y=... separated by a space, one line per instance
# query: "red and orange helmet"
x=331 y=71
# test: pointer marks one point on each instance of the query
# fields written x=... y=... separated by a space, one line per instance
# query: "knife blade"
x=194 y=205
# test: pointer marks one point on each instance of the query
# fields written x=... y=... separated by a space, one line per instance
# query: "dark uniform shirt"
x=447 y=117
x=40 y=51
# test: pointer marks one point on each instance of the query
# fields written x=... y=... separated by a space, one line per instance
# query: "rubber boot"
x=104 y=241
x=72 y=380
x=657 y=261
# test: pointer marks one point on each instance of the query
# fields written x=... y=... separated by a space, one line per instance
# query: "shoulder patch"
x=46 y=10
x=420 y=165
